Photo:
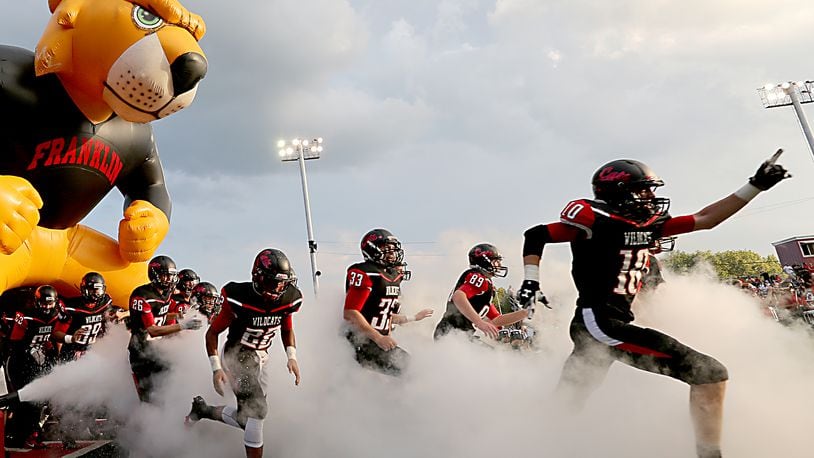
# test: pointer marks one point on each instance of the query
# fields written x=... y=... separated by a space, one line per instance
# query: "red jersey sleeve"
x=288 y=323
x=493 y=312
x=20 y=326
x=143 y=310
x=474 y=284
x=359 y=287
x=678 y=225
x=224 y=318
x=579 y=214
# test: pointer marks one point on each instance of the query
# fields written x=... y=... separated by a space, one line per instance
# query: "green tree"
x=727 y=264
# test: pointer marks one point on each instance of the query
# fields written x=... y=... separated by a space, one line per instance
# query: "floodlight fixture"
x=791 y=93
x=301 y=150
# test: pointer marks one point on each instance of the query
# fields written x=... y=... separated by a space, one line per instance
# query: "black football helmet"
x=93 y=287
x=187 y=279
x=45 y=298
x=628 y=186
x=163 y=273
x=207 y=298
x=272 y=273
x=486 y=257
x=381 y=247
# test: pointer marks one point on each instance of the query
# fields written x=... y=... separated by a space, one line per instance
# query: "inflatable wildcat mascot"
x=75 y=125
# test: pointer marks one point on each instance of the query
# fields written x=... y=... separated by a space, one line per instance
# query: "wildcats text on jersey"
x=263 y=321
x=638 y=238
x=393 y=290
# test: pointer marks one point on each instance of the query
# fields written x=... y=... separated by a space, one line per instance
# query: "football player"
x=207 y=299
x=253 y=312
x=32 y=354
x=149 y=306
x=187 y=279
x=373 y=289
x=611 y=237
x=469 y=306
x=85 y=317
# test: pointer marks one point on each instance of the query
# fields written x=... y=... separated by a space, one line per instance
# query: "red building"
x=796 y=250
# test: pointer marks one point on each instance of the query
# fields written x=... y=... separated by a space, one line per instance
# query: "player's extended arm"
x=465 y=307
x=219 y=324
x=511 y=318
x=402 y=319
x=358 y=321
x=534 y=240
x=290 y=344
x=767 y=175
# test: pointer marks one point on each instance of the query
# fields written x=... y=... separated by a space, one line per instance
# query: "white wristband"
x=747 y=192
x=531 y=272
x=214 y=362
x=291 y=352
x=68 y=338
x=408 y=318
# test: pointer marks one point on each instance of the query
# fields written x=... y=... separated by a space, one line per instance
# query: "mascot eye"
x=145 y=19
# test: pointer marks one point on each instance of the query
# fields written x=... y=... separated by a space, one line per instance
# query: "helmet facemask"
x=272 y=286
x=637 y=201
x=93 y=292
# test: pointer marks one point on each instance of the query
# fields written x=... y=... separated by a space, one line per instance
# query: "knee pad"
x=253 y=436
x=229 y=416
x=708 y=370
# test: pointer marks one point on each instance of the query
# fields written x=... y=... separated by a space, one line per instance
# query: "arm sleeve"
x=678 y=225
x=492 y=313
x=224 y=318
x=142 y=310
x=359 y=287
x=288 y=323
x=18 y=331
x=474 y=284
x=536 y=237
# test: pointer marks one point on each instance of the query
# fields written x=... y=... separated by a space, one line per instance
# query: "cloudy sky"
x=453 y=122
x=467 y=121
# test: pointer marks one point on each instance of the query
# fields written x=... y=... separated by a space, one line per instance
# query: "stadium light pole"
x=301 y=150
x=794 y=93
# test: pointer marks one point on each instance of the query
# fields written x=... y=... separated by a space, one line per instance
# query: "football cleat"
x=200 y=409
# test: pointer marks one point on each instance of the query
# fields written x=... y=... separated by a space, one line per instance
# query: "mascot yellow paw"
x=19 y=212
x=141 y=231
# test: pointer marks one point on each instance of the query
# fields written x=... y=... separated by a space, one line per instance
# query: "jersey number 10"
x=630 y=276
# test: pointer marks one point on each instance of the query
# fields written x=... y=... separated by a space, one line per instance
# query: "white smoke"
x=464 y=400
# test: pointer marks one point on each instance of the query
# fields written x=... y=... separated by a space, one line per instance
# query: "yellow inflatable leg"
x=91 y=251
x=62 y=257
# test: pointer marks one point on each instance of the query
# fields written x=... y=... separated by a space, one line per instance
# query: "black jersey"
x=147 y=308
x=374 y=291
x=33 y=327
x=70 y=161
x=611 y=259
x=87 y=315
x=479 y=291
x=252 y=320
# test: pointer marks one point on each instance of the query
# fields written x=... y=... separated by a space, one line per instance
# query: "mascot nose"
x=187 y=70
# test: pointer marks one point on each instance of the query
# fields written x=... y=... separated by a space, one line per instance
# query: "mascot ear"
x=54 y=49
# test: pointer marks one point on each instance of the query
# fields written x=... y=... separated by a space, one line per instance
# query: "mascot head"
x=137 y=58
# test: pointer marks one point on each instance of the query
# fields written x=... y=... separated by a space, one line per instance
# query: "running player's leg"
x=656 y=352
x=585 y=368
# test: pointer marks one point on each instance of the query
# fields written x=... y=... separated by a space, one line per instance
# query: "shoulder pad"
x=579 y=213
